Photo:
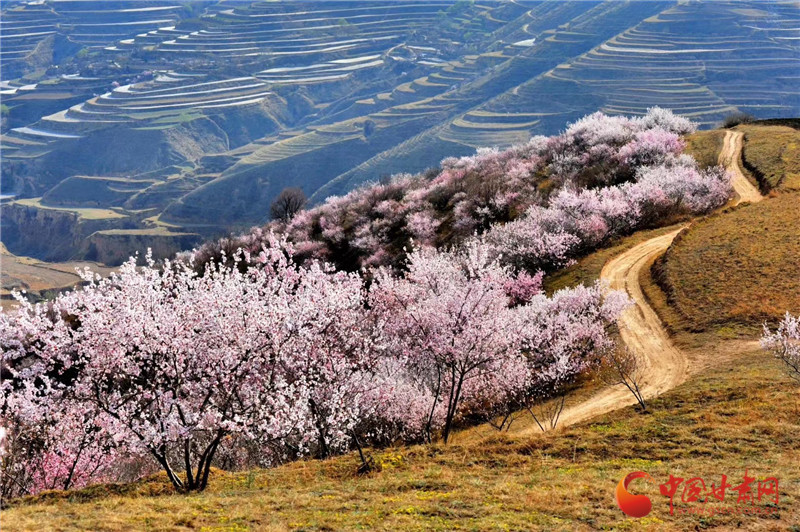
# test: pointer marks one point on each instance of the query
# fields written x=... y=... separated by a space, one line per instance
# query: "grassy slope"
x=705 y=146
x=772 y=153
x=744 y=415
x=732 y=271
x=736 y=268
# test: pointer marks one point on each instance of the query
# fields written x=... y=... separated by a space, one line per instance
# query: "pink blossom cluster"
x=578 y=221
x=374 y=225
x=784 y=344
x=277 y=360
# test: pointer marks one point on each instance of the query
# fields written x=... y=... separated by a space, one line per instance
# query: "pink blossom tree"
x=562 y=336
x=784 y=344
x=46 y=445
x=451 y=317
x=371 y=226
x=481 y=338
x=338 y=360
x=578 y=221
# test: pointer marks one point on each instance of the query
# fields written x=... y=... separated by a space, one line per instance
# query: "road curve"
x=665 y=366
x=729 y=158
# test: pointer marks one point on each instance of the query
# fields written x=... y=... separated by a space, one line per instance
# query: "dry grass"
x=705 y=146
x=714 y=424
x=772 y=155
x=733 y=270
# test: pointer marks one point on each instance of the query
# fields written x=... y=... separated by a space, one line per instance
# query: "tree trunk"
x=451 y=408
x=162 y=459
x=429 y=423
x=187 y=459
x=366 y=465
x=201 y=485
x=324 y=452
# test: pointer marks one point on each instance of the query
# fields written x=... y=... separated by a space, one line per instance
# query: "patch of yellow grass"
x=705 y=146
x=736 y=268
x=83 y=213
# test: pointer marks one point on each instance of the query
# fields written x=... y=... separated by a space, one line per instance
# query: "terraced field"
x=703 y=60
x=44 y=29
x=190 y=117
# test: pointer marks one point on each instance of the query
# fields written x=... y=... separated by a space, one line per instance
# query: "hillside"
x=740 y=416
x=732 y=271
x=157 y=111
x=771 y=153
x=736 y=269
x=710 y=421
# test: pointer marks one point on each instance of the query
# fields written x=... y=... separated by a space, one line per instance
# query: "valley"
x=408 y=265
x=176 y=123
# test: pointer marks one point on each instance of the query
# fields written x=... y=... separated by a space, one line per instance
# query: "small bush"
x=735 y=119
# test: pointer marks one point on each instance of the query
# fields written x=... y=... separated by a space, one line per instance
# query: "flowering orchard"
x=276 y=361
x=268 y=347
x=565 y=195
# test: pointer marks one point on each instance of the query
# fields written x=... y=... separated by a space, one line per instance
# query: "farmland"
x=162 y=107
x=37 y=277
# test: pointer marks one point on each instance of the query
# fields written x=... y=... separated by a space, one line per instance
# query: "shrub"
x=784 y=343
x=735 y=119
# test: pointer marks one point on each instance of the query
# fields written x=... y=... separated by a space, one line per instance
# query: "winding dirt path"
x=729 y=158
x=665 y=366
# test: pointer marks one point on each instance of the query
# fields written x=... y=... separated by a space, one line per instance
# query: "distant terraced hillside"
x=187 y=118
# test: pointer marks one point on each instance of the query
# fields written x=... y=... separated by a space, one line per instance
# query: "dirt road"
x=729 y=157
x=665 y=366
